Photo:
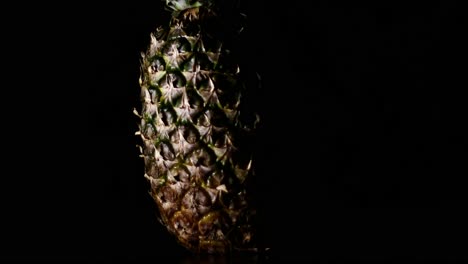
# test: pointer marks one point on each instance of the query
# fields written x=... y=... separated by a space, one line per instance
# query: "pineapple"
x=197 y=132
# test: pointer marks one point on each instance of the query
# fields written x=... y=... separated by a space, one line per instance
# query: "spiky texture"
x=197 y=134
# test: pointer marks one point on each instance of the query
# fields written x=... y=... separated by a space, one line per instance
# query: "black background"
x=361 y=153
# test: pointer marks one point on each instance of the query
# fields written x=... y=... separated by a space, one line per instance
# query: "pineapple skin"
x=197 y=135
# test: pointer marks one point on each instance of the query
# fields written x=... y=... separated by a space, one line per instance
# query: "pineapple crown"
x=223 y=16
x=179 y=5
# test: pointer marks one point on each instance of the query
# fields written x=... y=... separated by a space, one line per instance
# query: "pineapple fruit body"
x=197 y=135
